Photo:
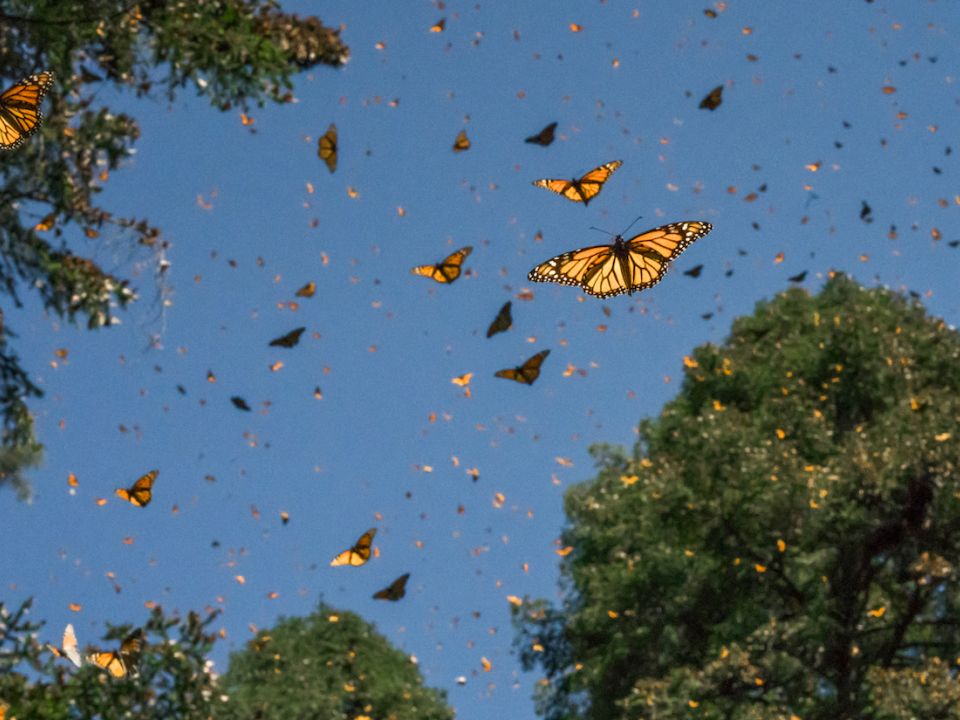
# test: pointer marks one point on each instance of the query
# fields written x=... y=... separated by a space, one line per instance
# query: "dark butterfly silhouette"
x=713 y=99
x=395 y=590
x=502 y=322
x=526 y=373
x=695 y=271
x=239 y=403
x=798 y=278
x=544 y=137
x=289 y=340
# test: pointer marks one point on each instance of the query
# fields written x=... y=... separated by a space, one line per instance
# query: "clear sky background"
x=383 y=345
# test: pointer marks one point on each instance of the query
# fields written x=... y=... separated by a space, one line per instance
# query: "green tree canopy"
x=169 y=678
x=781 y=543
x=331 y=665
x=234 y=52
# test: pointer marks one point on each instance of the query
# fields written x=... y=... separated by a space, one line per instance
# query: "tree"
x=235 y=52
x=170 y=678
x=331 y=665
x=781 y=542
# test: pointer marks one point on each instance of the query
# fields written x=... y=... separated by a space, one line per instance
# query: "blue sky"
x=383 y=345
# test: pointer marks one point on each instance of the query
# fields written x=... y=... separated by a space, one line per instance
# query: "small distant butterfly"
x=799 y=277
x=141 y=492
x=544 y=137
x=502 y=322
x=68 y=648
x=307 y=290
x=288 y=340
x=626 y=266
x=395 y=590
x=113 y=661
x=713 y=99
x=327 y=147
x=526 y=373
x=585 y=188
x=20 y=115
x=462 y=142
x=695 y=271
x=239 y=403
x=358 y=554
x=447 y=270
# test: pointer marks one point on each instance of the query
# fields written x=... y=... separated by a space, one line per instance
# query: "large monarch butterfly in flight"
x=626 y=266
x=113 y=661
x=395 y=590
x=447 y=270
x=20 y=115
x=585 y=188
x=526 y=373
x=141 y=492
x=358 y=554
x=327 y=148
x=68 y=647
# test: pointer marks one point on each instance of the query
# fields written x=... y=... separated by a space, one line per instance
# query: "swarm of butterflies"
x=624 y=267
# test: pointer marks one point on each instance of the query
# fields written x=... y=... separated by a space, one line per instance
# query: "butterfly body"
x=582 y=189
x=626 y=266
x=20 y=115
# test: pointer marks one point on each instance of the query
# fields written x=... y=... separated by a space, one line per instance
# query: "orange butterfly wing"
x=627 y=266
x=462 y=142
x=109 y=661
x=327 y=148
x=141 y=492
x=358 y=554
x=584 y=189
x=20 y=115
x=447 y=270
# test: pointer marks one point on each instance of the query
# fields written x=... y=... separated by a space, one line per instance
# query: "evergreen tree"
x=781 y=543
x=234 y=52
x=331 y=665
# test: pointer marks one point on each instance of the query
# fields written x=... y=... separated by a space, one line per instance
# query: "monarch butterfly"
x=502 y=322
x=526 y=373
x=327 y=147
x=358 y=554
x=713 y=99
x=584 y=189
x=395 y=590
x=289 y=340
x=68 y=647
x=20 y=115
x=544 y=137
x=462 y=142
x=141 y=492
x=113 y=661
x=624 y=267
x=447 y=270
x=307 y=290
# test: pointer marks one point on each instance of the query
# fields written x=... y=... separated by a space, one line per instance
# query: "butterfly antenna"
x=630 y=226
x=607 y=232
